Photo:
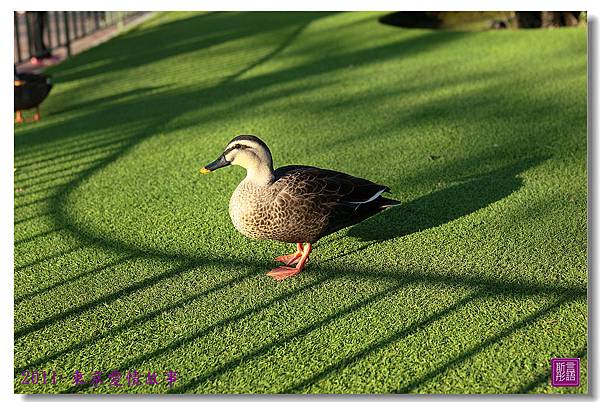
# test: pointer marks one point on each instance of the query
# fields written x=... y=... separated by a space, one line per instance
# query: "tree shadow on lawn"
x=482 y=288
x=467 y=354
x=404 y=333
x=397 y=336
x=302 y=332
x=490 y=288
x=111 y=115
x=109 y=99
x=252 y=269
x=440 y=207
x=231 y=88
x=281 y=341
x=150 y=101
x=145 y=125
x=427 y=212
x=151 y=109
x=40 y=260
x=143 y=46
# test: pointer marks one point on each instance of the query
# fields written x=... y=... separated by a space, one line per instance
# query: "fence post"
x=81 y=15
x=119 y=20
x=17 y=37
x=57 y=27
x=28 y=29
x=48 y=24
x=67 y=32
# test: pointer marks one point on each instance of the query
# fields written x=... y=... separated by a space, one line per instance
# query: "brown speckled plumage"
x=303 y=203
x=294 y=204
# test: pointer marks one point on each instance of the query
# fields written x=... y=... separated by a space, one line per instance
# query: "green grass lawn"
x=125 y=256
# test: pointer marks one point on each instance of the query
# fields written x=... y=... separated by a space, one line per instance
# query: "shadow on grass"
x=309 y=328
x=111 y=115
x=488 y=286
x=179 y=268
x=397 y=336
x=185 y=35
x=140 y=319
x=204 y=331
x=446 y=205
x=302 y=332
x=38 y=236
x=112 y=264
x=55 y=255
x=110 y=99
x=467 y=354
x=429 y=211
x=500 y=287
x=439 y=207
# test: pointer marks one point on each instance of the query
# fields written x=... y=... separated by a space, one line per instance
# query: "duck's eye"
x=237 y=146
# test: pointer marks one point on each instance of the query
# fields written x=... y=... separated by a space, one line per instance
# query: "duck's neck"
x=259 y=175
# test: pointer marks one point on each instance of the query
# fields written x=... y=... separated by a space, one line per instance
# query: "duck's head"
x=249 y=152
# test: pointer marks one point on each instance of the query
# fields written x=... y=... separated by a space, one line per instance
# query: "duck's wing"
x=343 y=198
x=305 y=181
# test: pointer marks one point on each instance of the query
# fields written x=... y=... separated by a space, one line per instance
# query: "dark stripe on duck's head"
x=250 y=138
x=249 y=152
x=236 y=146
x=253 y=144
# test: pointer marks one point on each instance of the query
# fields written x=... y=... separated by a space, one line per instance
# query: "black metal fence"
x=61 y=28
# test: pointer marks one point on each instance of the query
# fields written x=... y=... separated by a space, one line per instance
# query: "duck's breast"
x=249 y=210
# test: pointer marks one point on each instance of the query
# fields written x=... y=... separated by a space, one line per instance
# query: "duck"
x=296 y=203
x=30 y=91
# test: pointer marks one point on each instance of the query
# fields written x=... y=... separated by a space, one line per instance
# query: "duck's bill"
x=219 y=163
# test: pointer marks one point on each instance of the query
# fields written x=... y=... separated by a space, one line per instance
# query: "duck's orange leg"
x=37 y=116
x=19 y=118
x=283 y=272
x=290 y=258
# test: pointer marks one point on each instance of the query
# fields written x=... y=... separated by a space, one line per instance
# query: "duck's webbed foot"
x=291 y=258
x=19 y=117
x=283 y=272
